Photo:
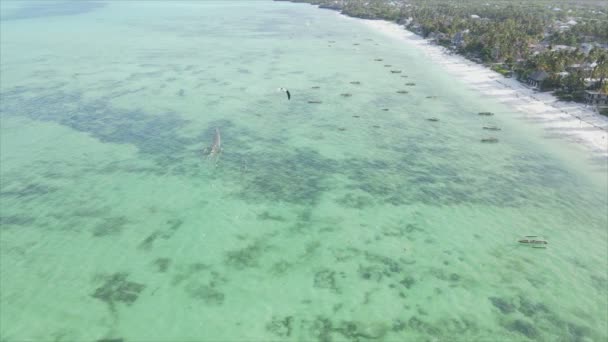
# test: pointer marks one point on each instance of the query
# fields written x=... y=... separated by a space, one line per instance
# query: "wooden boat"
x=533 y=241
x=491 y=128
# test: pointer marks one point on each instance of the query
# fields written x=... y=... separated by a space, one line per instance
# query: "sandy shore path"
x=573 y=121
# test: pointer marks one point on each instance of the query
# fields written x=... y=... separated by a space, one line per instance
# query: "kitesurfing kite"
x=287 y=92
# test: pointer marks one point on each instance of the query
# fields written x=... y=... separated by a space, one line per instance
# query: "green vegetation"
x=567 y=39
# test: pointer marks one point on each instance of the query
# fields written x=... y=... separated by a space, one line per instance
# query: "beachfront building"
x=536 y=79
x=458 y=39
x=536 y=49
x=336 y=5
x=596 y=98
x=437 y=36
x=584 y=67
x=586 y=48
x=563 y=48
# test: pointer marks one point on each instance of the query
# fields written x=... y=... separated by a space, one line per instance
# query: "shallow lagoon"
x=320 y=221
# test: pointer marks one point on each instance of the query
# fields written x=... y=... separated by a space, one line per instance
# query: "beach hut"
x=596 y=98
x=536 y=79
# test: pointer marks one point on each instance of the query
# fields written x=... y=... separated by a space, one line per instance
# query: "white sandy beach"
x=569 y=120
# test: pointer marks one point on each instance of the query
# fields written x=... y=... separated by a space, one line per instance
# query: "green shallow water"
x=314 y=224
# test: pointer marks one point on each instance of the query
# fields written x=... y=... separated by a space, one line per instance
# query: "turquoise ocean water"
x=330 y=221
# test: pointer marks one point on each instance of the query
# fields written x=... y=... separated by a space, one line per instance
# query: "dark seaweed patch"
x=599 y=283
x=311 y=249
x=202 y=283
x=246 y=257
x=345 y=254
x=16 y=220
x=29 y=192
x=117 y=289
x=305 y=215
x=323 y=329
x=401 y=230
x=266 y=216
x=578 y=332
x=370 y=273
x=398 y=325
x=408 y=282
x=388 y=265
x=146 y=244
x=431 y=184
x=155 y=136
x=280 y=267
x=459 y=327
x=504 y=306
x=417 y=324
x=298 y=177
x=325 y=279
x=410 y=228
x=110 y=226
x=530 y=308
x=354 y=331
x=280 y=327
x=174 y=225
x=188 y=271
x=167 y=233
x=162 y=264
x=207 y=293
x=522 y=327
x=356 y=202
x=119 y=93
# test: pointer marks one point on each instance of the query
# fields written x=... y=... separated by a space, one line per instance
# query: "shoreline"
x=573 y=121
